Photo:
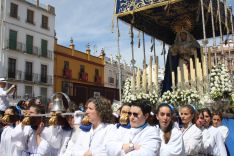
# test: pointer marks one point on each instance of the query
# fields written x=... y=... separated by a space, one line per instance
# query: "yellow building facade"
x=78 y=74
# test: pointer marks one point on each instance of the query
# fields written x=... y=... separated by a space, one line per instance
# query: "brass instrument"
x=124 y=119
x=9 y=119
x=85 y=121
x=55 y=117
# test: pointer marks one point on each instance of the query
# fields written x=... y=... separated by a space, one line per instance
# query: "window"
x=28 y=91
x=43 y=73
x=44 y=23
x=44 y=44
x=11 y=67
x=14 y=10
x=82 y=69
x=28 y=71
x=65 y=87
x=66 y=65
x=43 y=93
x=29 y=44
x=13 y=39
x=96 y=72
x=30 y=15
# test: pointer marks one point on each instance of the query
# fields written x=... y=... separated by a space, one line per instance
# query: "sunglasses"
x=134 y=114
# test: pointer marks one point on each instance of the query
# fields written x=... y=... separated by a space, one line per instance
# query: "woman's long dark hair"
x=167 y=131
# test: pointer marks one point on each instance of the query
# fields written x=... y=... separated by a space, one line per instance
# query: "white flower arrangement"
x=129 y=95
x=220 y=84
x=180 y=97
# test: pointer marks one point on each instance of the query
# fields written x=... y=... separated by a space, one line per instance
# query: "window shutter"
x=13 y=39
x=29 y=44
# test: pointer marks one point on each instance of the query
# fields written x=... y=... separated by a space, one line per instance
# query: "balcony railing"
x=83 y=76
x=34 y=78
x=97 y=79
x=21 y=47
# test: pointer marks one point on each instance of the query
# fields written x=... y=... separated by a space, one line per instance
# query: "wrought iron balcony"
x=21 y=47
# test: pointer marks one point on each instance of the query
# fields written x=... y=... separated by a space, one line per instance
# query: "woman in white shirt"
x=215 y=146
x=8 y=143
x=217 y=122
x=93 y=142
x=192 y=135
x=172 y=141
x=30 y=141
x=141 y=139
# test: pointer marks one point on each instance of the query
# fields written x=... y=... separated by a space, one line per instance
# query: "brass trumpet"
x=9 y=119
x=85 y=121
x=124 y=119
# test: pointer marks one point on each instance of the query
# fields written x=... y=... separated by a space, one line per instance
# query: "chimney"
x=72 y=46
x=88 y=51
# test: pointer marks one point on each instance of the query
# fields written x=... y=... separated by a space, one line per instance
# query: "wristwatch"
x=131 y=146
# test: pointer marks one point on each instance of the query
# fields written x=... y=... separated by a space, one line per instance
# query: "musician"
x=8 y=143
x=215 y=145
x=93 y=142
x=192 y=135
x=30 y=135
x=141 y=139
x=172 y=140
x=62 y=137
x=4 y=102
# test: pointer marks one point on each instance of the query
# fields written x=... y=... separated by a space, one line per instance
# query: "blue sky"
x=90 y=21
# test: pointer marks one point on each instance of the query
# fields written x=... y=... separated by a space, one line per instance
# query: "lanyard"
x=185 y=130
x=93 y=132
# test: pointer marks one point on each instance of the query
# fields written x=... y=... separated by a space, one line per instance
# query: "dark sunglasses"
x=134 y=114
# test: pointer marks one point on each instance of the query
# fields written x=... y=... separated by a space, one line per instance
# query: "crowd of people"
x=136 y=130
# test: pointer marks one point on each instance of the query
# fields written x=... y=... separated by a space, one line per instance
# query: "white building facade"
x=27 y=46
x=111 y=73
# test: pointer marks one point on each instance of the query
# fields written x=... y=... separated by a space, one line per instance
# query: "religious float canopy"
x=161 y=18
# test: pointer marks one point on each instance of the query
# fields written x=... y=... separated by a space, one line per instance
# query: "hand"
x=88 y=153
x=126 y=148
x=40 y=128
x=137 y=147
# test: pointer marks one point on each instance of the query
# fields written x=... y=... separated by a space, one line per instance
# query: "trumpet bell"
x=58 y=105
x=124 y=119
x=85 y=120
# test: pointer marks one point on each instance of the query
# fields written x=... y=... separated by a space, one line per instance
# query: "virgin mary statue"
x=185 y=47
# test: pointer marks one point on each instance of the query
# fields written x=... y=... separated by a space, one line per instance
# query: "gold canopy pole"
x=143 y=40
x=204 y=42
x=232 y=32
x=118 y=56
x=133 y=60
x=220 y=30
x=213 y=31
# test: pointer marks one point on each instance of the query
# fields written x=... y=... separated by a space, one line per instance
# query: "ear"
x=146 y=115
x=157 y=116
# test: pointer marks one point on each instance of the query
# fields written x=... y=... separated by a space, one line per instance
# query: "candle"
x=156 y=73
x=192 y=77
x=199 y=71
x=204 y=66
x=185 y=72
x=150 y=74
x=178 y=75
x=138 y=80
x=173 y=79
x=196 y=65
x=144 y=82
x=133 y=83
